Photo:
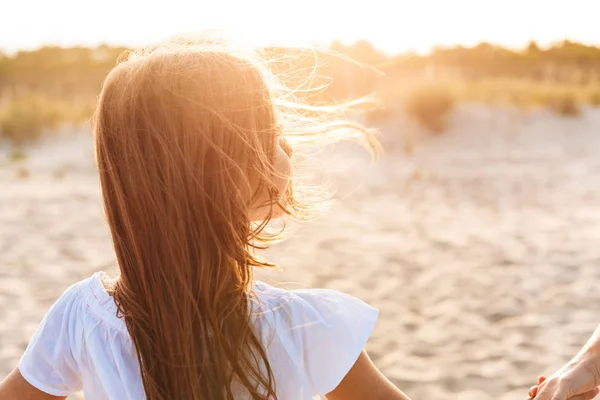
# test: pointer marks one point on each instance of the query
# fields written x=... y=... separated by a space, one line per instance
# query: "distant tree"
x=364 y=52
x=532 y=48
x=79 y=71
x=338 y=47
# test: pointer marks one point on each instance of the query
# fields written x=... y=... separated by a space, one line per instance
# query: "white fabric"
x=312 y=338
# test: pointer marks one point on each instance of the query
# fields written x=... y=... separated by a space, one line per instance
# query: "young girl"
x=194 y=161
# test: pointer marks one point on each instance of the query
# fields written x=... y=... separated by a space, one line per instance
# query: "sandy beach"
x=481 y=249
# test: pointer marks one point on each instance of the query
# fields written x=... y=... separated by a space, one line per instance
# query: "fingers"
x=586 y=396
x=553 y=393
x=560 y=394
x=534 y=389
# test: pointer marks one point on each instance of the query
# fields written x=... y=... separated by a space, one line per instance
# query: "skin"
x=585 y=396
x=16 y=387
x=363 y=381
x=578 y=379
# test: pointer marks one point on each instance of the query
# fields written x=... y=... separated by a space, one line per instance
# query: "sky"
x=391 y=25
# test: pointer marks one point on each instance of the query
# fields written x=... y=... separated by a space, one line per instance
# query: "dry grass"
x=430 y=102
x=22 y=173
x=16 y=156
x=26 y=118
x=565 y=99
x=565 y=103
x=430 y=106
x=593 y=97
x=22 y=121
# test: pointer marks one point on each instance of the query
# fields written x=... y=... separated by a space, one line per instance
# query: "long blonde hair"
x=184 y=135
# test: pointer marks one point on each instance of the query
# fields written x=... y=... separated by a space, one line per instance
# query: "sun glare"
x=392 y=26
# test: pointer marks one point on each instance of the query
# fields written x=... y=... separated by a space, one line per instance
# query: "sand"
x=481 y=249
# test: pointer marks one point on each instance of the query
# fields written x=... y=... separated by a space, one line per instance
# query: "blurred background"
x=477 y=234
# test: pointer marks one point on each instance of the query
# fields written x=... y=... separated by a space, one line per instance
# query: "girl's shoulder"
x=93 y=299
x=85 y=305
x=320 y=332
x=319 y=304
x=269 y=304
x=312 y=310
x=54 y=357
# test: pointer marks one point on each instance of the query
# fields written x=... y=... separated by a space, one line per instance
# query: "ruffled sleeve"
x=323 y=332
x=48 y=363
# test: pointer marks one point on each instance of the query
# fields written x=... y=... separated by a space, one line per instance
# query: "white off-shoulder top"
x=312 y=338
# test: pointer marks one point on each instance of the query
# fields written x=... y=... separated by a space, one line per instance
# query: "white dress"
x=312 y=338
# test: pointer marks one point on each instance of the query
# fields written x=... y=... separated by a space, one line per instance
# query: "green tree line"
x=348 y=70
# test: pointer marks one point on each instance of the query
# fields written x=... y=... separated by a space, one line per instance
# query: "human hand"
x=534 y=389
x=585 y=396
x=576 y=381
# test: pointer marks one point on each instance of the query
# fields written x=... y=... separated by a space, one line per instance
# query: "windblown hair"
x=185 y=134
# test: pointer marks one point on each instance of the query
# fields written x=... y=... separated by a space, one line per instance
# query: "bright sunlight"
x=391 y=25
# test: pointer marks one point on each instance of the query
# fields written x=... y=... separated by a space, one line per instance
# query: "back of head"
x=184 y=144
